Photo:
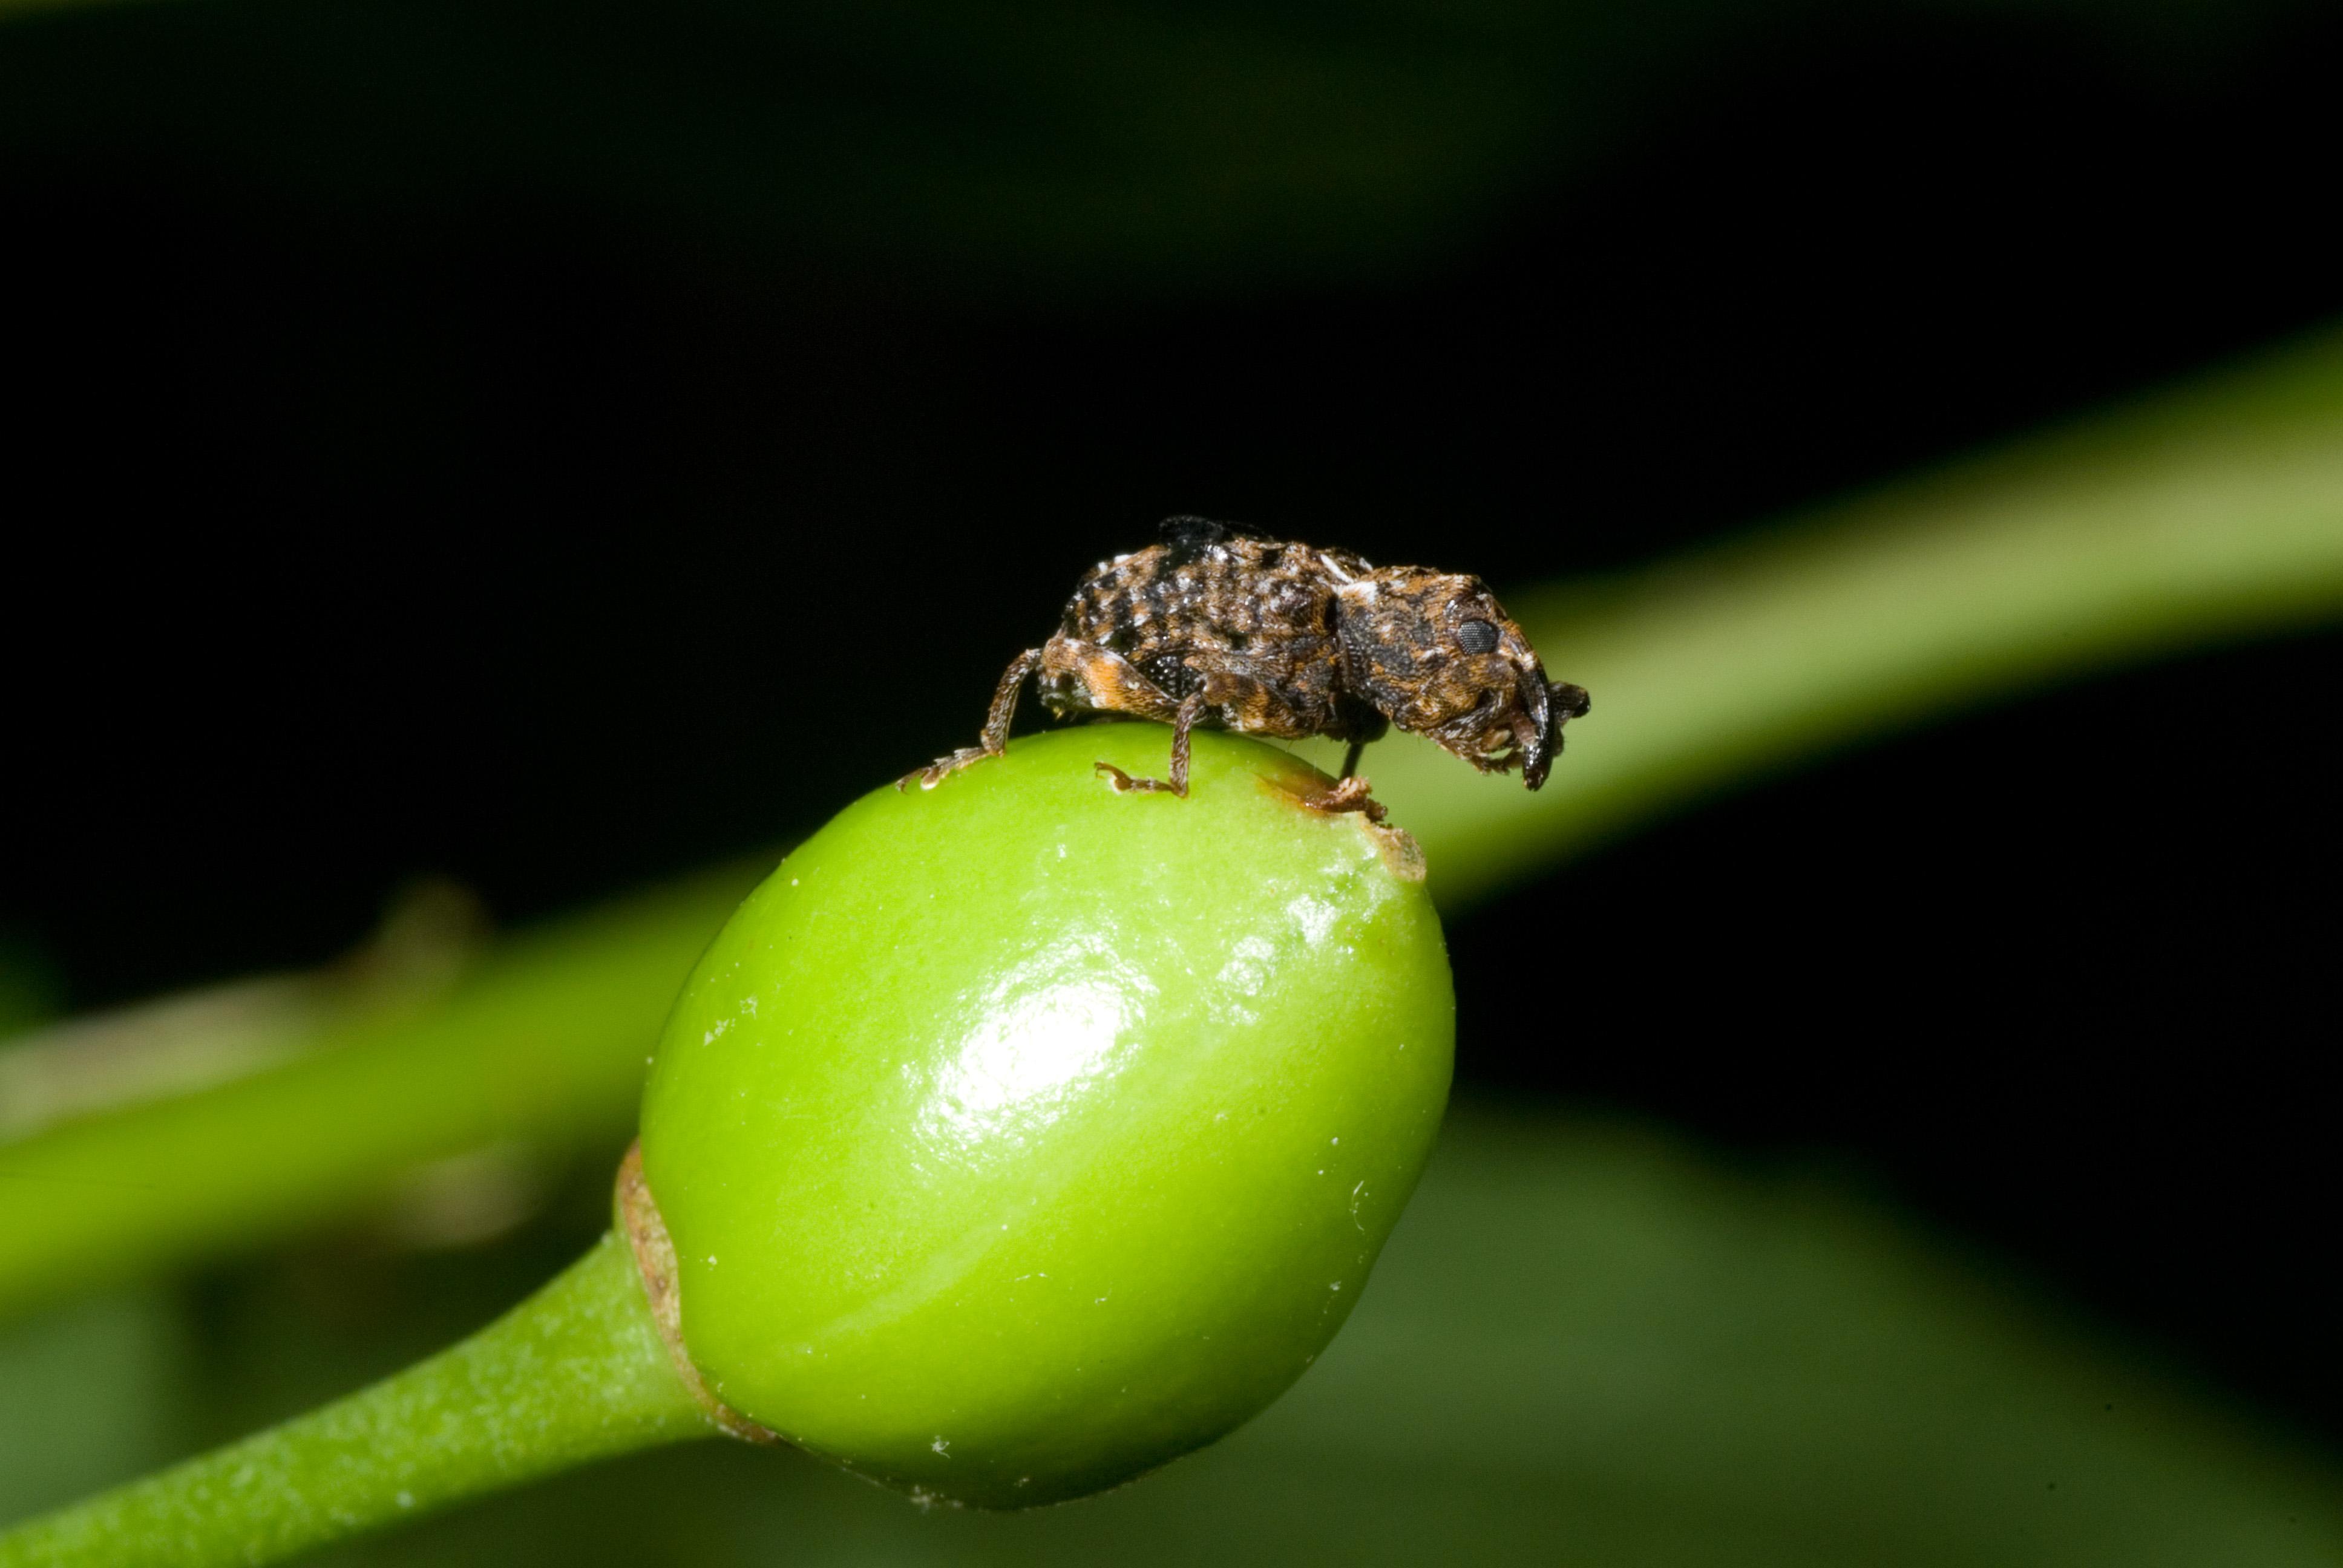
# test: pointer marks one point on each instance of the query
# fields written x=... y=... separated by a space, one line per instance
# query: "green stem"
x=577 y=1372
x=2210 y=516
x=2195 y=520
x=544 y=1041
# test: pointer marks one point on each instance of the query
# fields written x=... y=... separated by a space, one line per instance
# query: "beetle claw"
x=1126 y=785
x=943 y=768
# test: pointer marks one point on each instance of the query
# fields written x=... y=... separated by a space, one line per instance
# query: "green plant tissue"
x=1585 y=1343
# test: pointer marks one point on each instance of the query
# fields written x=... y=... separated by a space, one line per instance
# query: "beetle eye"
x=1476 y=637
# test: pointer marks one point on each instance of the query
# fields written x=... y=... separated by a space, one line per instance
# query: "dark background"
x=506 y=536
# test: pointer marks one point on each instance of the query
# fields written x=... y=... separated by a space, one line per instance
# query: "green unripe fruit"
x=1020 y=1135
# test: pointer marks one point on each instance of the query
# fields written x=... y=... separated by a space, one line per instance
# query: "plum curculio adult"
x=1216 y=629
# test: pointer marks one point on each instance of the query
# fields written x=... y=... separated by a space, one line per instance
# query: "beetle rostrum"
x=1214 y=626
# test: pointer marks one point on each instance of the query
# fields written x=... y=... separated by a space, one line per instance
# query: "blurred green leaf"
x=1586 y=1344
x=29 y=991
x=89 y=1393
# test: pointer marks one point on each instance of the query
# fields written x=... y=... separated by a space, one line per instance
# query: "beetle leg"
x=1192 y=708
x=1094 y=680
x=1350 y=758
x=994 y=740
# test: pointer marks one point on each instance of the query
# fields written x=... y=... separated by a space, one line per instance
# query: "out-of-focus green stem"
x=2212 y=515
x=576 y=1372
x=544 y=1041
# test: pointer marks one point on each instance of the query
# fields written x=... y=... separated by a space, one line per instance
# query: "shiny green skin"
x=1018 y=1136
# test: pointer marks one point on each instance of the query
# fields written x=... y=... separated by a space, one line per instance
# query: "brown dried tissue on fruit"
x=1402 y=854
x=654 y=1249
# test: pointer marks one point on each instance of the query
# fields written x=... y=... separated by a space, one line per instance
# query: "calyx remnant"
x=646 y=1232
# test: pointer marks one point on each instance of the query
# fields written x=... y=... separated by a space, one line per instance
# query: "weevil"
x=1216 y=627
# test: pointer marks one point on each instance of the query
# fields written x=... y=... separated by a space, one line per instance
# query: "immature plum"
x=1019 y=1137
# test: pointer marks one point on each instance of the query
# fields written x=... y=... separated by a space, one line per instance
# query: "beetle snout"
x=1534 y=731
x=1549 y=707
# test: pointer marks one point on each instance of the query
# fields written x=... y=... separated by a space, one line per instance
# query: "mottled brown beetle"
x=1216 y=627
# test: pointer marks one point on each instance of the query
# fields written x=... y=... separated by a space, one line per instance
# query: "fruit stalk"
x=576 y=1372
